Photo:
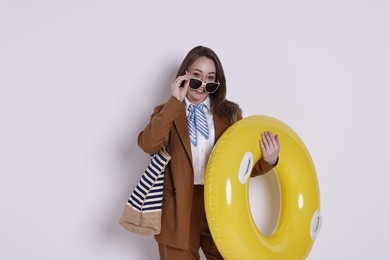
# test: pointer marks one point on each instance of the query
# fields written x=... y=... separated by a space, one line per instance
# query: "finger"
x=181 y=82
x=273 y=142
x=263 y=150
x=265 y=141
x=182 y=77
x=180 y=87
x=269 y=138
x=277 y=140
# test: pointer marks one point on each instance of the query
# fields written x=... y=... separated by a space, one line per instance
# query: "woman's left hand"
x=270 y=147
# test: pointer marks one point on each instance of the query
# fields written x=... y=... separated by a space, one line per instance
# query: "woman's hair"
x=219 y=104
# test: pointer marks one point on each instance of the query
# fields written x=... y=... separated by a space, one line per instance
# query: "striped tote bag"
x=142 y=212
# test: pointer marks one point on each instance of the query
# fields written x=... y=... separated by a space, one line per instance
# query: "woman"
x=189 y=124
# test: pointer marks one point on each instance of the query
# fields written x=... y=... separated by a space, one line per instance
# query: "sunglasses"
x=209 y=87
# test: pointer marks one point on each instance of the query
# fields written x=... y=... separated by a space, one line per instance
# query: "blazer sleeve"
x=262 y=167
x=152 y=137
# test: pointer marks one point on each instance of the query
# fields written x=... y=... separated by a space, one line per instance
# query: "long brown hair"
x=219 y=104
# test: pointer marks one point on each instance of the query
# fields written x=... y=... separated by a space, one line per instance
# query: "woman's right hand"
x=178 y=90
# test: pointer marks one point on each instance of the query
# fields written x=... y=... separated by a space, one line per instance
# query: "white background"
x=79 y=80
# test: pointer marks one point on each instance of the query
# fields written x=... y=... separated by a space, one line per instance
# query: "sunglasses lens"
x=212 y=87
x=195 y=83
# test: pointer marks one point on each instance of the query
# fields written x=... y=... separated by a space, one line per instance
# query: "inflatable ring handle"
x=226 y=194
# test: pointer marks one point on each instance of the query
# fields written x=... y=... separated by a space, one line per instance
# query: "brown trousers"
x=200 y=236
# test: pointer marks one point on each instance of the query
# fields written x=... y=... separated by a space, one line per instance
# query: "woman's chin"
x=197 y=97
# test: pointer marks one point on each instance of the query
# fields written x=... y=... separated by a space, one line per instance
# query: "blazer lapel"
x=180 y=124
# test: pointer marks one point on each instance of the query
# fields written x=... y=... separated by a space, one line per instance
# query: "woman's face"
x=203 y=69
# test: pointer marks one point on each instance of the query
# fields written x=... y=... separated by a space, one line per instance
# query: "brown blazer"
x=170 y=120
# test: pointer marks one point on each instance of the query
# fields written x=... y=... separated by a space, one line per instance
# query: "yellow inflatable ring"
x=226 y=194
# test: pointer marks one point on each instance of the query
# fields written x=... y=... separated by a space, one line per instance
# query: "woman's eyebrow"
x=199 y=70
